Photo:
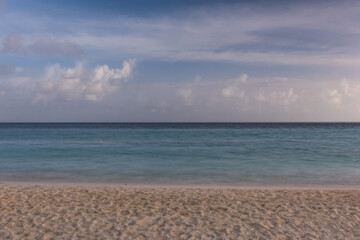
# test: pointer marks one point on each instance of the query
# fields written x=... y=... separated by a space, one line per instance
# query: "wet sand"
x=30 y=211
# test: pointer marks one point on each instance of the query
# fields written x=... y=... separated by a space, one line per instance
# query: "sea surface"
x=232 y=154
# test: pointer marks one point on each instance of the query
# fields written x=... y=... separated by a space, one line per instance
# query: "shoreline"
x=177 y=186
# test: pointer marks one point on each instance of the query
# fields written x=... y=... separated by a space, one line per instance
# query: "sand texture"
x=84 y=212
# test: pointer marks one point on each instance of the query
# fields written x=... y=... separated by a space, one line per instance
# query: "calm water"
x=183 y=153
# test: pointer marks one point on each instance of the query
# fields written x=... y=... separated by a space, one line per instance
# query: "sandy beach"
x=30 y=211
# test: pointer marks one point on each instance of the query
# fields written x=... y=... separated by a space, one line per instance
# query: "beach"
x=69 y=211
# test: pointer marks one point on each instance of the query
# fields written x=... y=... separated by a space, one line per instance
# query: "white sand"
x=104 y=212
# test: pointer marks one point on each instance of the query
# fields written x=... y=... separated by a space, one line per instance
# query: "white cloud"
x=243 y=78
x=350 y=89
x=333 y=96
x=228 y=91
x=234 y=89
x=277 y=98
x=344 y=92
x=187 y=95
x=260 y=97
x=284 y=98
x=76 y=83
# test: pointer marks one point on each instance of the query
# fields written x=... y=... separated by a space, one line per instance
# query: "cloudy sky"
x=140 y=60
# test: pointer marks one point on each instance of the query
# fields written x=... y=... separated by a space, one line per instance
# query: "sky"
x=179 y=61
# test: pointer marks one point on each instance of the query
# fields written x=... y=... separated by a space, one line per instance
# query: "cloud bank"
x=102 y=95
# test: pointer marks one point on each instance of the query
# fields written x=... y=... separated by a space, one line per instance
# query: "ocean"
x=230 y=154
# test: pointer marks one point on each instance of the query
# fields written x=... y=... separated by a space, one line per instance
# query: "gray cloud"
x=44 y=45
x=7 y=69
x=302 y=35
x=50 y=47
x=14 y=43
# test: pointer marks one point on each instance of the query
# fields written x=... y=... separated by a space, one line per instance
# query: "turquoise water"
x=243 y=154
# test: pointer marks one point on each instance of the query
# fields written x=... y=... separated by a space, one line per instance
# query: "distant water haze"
x=236 y=154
